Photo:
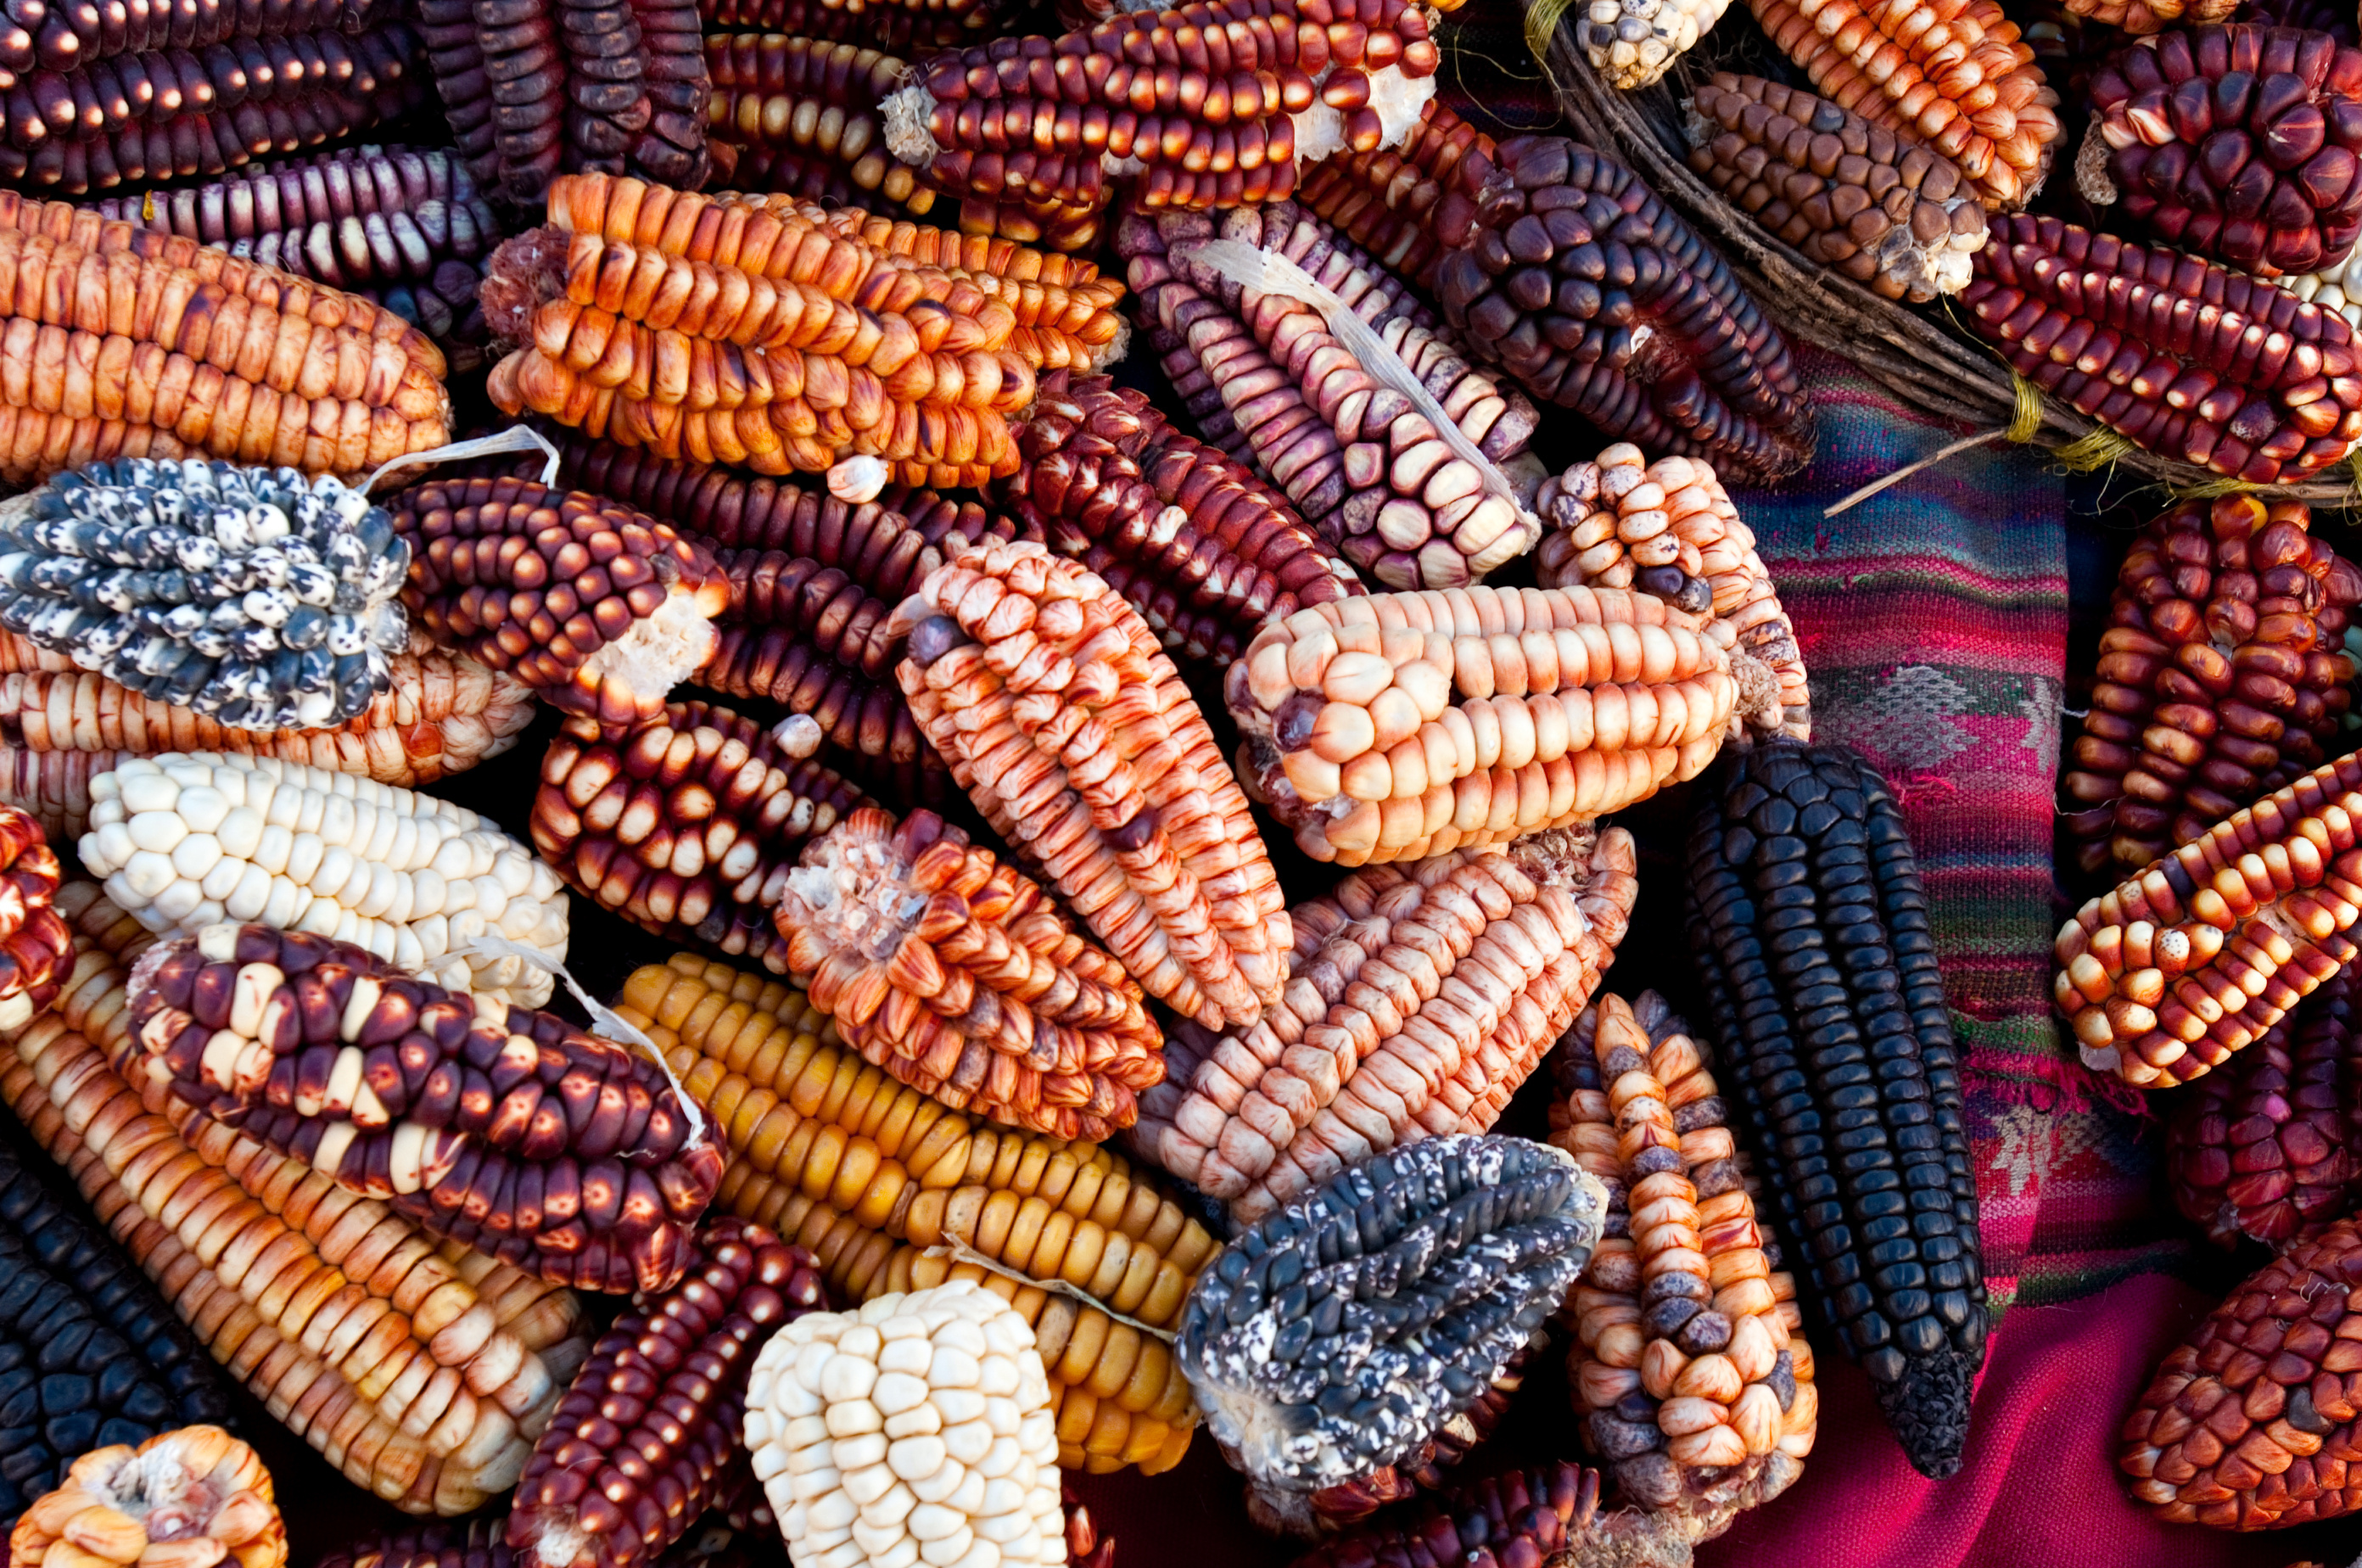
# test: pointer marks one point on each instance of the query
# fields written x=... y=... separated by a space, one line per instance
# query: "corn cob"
x=1217 y=105
x=2261 y=1149
x=687 y=827
x=1691 y=1369
x=185 y=841
x=1199 y=545
x=75 y=1310
x=712 y=1541
x=1405 y=726
x=645 y=1438
x=195 y=1495
x=904 y=25
x=598 y=608
x=1663 y=349
x=2337 y=288
x=876 y=1178
x=2247 y=1422
x=1518 y=1519
x=2220 y=675
x=61 y=39
x=1952 y=73
x=1322 y=421
x=936 y=1395
x=440 y=714
x=1384 y=201
x=1809 y=927
x=814 y=102
x=1359 y=1057
x=584 y=1168
x=2210 y=945
x=1070 y=228
x=1077 y=742
x=35 y=947
x=1634 y=45
x=1857 y=197
x=1440 y=1261
x=957 y=975
x=1670 y=530
x=2138 y=16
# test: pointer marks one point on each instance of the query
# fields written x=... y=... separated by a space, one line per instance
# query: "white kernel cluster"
x=915 y=1430
x=2337 y=288
x=186 y=840
x=1635 y=42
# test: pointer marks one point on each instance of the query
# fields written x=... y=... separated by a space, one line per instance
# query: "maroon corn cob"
x=1521 y=1519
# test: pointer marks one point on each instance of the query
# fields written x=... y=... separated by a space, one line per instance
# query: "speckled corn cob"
x=1568 y=272
x=183 y=841
x=1404 y=725
x=2212 y=944
x=1358 y=458
x=1952 y=74
x=563 y=1153
x=1875 y=205
x=873 y=1176
x=805 y=101
x=1076 y=740
x=1359 y=1057
x=2220 y=678
x=2248 y=1421
x=1632 y=43
x=1670 y=531
x=688 y=825
x=600 y=609
x=193 y=1495
x=2262 y=389
x=2262 y=1148
x=1203 y=549
x=1691 y=1369
x=1521 y=1519
x=1382 y=201
x=645 y=1438
x=1216 y=105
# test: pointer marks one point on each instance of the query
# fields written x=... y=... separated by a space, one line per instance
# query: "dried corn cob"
x=1069 y=227
x=1518 y=1519
x=2337 y=288
x=2262 y=389
x=813 y=103
x=195 y=1495
x=1358 y=1056
x=1875 y=205
x=185 y=841
x=75 y=1311
x=1324 y=422
x=1199 y=545
x=60 y=39
x=899 y=25
x=879 y=1180
x=1334 y=1337
x=441 y=713
x=598 y=608
x=2312 y=15
x=644 y=1441
x=1690 y=1369
x=1670 y=531
x=1076 y=740
x=2148 y=16
x=1384 y=201
x=2261 y=1149
x=317 y=1049
x=2247 y=1422
x=1810 y=930
x=957 y=975
x=1952 y=74
x=2241 y=144
x=1570 y=274
x=2219 y=677
x=35 y=949
x=2210 y=945
x=1404 y=725
x=687 y=825
x=1634 y=44
x=1216 y=105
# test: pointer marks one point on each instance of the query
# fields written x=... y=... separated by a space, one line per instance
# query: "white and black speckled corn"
x=1336 y=1336
x=257 y=597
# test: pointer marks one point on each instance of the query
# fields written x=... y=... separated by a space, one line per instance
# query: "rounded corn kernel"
x=197 y=1495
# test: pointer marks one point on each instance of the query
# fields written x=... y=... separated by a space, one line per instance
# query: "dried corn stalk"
x=1328 y=425
x=1404 y=725
x=1872 y=203
x=2257 y=387
x=2219 y=677
x=957 y=974
x=1571 y=275
x=1418 y=998
x=879 y=1181
x=1952 y=74
x=808 y=109
x=1384 y=201
x=1212 y=106
x=1075 y=738
x=687 y=825
x=1670 y=531
x=194 y=1494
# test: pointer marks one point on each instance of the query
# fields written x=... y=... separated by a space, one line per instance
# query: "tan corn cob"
x=811 y=102
x=190 y=1496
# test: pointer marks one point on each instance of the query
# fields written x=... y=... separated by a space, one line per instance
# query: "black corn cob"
x=89 y=1354
x=1809 y=927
